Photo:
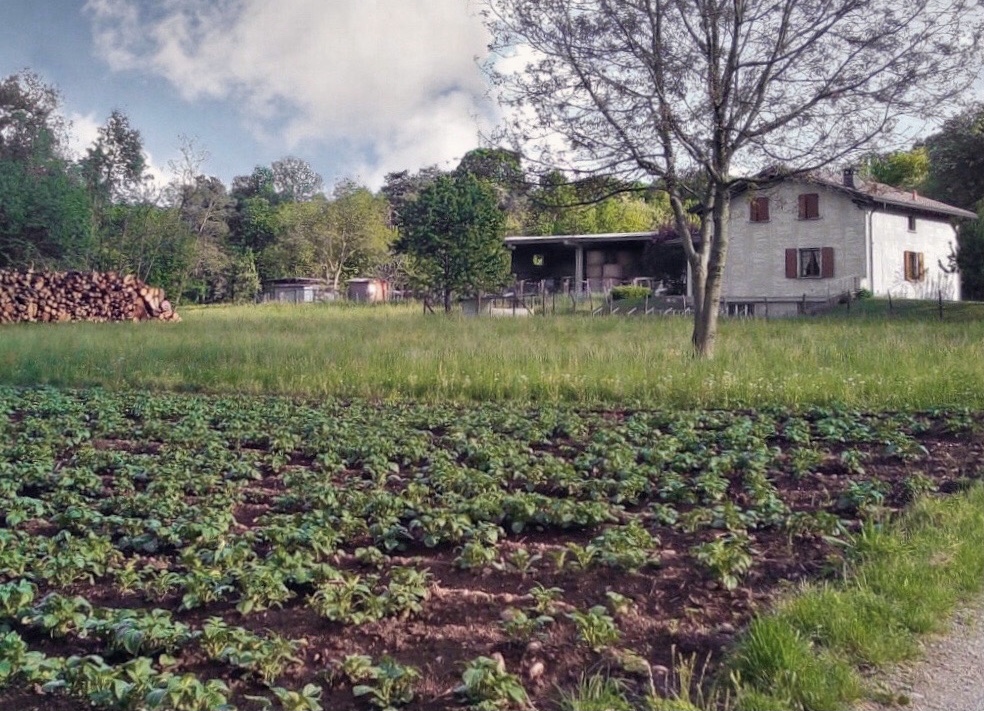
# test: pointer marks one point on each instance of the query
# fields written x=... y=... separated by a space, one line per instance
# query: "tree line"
x=206 y=242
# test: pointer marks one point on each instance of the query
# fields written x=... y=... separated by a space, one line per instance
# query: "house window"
x=758 y=209
x=537 y=260
x=914 y=266
x=809 y=206
x=810 y=263
x=912 y=223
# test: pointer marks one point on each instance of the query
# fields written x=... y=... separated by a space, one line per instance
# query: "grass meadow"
x=870 y=358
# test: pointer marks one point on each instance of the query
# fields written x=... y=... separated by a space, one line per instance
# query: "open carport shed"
x=586 y=262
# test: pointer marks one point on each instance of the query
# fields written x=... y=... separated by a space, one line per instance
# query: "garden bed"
x=251 y=547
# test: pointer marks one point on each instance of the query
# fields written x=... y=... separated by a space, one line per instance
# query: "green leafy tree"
x=559 y=207
x=114 y=169
x=44 y=211
x=908 y=170
x=970 y=260
x=31 y=125
x=956 y=159
x=152 y=242
x=402 y=187
x=44 y=216
x=242 y=277
x=503 y=170
x=252 y=224
x=330 y=238
x=114 y=166
x=453 y=234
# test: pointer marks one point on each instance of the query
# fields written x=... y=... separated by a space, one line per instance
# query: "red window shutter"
x=827 y=263
x=809 y=206
x=907 y=261
x=792 y=265
x=759 y=209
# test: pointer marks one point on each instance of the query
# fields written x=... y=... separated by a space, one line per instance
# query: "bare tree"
x=295 y=180
x=720 y=89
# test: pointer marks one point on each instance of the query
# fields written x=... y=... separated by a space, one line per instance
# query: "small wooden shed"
x=296 y=290
x=368 y=290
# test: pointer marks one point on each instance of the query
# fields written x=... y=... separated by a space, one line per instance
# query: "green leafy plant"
x=595 y=627
x=487 y=686
x=387 y=684
x=187 y=693
x=863 y=497
x=476 y=554
x=545 y=599
x=14 y=597
x=728 y=558
x=519 y=561
x=520 y=627
x=630 y=291
x=305 y=699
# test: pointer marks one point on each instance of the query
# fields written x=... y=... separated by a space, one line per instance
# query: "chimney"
x=849 y=178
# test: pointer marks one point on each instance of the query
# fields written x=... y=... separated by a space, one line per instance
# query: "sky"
x=357 y=88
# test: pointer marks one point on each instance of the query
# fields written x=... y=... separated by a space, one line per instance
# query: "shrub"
x=630 y=291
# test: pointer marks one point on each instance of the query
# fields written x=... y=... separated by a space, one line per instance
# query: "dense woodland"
x=205 y=242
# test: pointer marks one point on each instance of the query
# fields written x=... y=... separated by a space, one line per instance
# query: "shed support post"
x=579 y=269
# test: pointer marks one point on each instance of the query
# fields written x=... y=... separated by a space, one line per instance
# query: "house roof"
x=869 y=192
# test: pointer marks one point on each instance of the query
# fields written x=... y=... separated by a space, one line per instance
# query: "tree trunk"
x=447 y=301
x=707 y=302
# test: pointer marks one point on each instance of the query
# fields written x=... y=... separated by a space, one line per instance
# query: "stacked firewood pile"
x=80 y=296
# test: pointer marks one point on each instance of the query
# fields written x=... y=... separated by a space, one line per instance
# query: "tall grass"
x=907 y=580
x=393 y=352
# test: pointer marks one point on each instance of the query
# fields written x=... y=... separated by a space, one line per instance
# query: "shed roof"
x=587 y=239
x=295 y=281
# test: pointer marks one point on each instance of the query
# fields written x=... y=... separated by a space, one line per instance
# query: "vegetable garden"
x=188 y=552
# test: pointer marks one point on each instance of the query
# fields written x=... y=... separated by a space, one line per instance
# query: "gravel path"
x=950 y=677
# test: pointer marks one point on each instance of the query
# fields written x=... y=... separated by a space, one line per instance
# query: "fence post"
x=940 y=291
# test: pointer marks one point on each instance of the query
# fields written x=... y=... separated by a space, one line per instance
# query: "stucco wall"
x=891 y=238
x=756 y=264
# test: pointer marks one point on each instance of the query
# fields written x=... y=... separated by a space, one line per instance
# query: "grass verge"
x=906 y=579
x=863 y=359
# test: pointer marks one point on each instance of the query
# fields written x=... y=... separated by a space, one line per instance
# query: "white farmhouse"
x=804 y=240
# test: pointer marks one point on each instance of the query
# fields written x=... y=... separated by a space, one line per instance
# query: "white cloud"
x=393 y=79
x=82 y=133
